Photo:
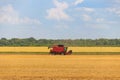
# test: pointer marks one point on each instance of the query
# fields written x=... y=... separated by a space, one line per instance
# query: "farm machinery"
x=59 y=50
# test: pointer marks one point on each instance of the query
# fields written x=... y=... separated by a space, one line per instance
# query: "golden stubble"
x=48 y=67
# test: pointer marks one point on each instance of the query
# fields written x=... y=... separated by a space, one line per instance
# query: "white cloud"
x=117 y=1
x=103 y=21
x=86 y=17
x=100 y=20
x=115 y=7
x=58 y=13
x=115 y=10
x=8 y=15
x=78 y=2
x=61 y=5
x=85 y=9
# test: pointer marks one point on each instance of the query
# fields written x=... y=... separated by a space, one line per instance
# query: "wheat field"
x=74 y=49
x=24 y=49
x=48 y=67
x=95 y=49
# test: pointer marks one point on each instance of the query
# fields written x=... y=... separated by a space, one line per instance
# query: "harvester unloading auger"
x=59 y=50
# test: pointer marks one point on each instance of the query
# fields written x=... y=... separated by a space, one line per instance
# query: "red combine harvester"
x=59 y=50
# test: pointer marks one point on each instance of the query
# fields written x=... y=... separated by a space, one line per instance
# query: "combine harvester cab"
x=59 y=50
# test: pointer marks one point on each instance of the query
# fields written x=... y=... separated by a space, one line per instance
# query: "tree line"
x=67 y=42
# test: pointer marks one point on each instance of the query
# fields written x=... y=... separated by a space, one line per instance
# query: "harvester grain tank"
x=59 y=50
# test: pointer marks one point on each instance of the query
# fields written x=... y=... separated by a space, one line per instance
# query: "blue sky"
x=60 y=19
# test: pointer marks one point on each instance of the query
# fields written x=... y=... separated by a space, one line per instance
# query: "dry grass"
x=47 y=67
